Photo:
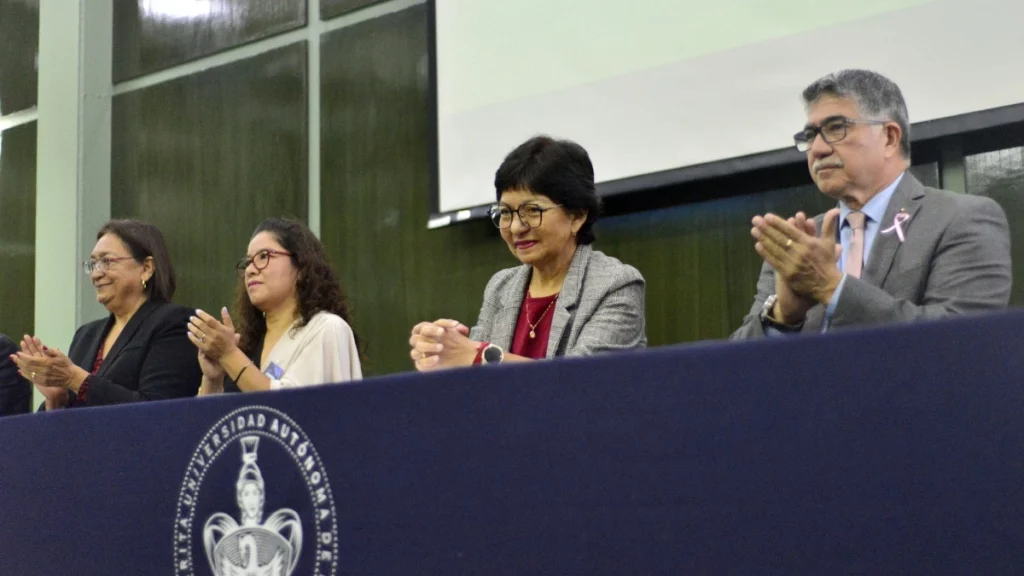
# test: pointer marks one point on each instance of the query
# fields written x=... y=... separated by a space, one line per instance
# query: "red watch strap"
x=480 y=352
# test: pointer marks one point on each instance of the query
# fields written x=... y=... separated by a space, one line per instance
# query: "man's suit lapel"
x=126 y=335
x=906 y=197
x=568 y=297
x=508 y=315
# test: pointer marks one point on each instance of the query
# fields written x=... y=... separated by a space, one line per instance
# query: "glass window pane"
x=150 y=35
x=1000 y=176
x=19 y=54
x=332 y=8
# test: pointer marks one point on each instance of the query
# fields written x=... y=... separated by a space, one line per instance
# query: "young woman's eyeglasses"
x=102 y=264
x=260 y=260
x=831 y=131
x=530 y=215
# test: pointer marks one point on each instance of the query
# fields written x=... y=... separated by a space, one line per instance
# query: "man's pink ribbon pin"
x=897 y=225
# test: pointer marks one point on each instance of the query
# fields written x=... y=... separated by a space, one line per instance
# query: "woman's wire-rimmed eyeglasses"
x=102 y=264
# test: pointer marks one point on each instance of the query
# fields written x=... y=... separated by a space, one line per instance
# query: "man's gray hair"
x=875 y=95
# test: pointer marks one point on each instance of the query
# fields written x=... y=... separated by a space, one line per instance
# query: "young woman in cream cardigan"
x=293 y=320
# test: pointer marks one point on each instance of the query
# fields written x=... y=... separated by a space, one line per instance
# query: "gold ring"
x=202 y=339
x=789 y=242
x=33 y=377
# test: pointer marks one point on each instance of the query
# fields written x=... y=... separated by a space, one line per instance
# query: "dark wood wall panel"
x=1000 y=176
x=928 y=173
x=19 y=49
x=149 y=36
x=375 y=193
x=699 y=260
x=207 y=157
x=17 y=230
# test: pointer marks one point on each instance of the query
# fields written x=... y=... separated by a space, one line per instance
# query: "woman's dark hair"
x=145 y=240
x=317 y=287
x=558 y=169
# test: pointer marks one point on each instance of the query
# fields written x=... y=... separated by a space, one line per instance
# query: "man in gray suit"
x=893 y=250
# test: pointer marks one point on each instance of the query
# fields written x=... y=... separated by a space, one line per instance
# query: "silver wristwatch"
x=768 y=320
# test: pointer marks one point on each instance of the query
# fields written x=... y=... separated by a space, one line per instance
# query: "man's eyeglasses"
x=831 y=131
x=530 y=215
x=102 y=264
x=260 y=260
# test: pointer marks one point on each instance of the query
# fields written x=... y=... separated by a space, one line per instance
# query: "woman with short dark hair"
x=566 y=299
x=139 y=352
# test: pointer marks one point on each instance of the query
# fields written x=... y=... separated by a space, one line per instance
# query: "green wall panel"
x=17 y=229
x=375 y=193
x=208 y=156
x=699 y=260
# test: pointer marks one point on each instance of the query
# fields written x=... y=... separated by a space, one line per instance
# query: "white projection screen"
x=653 y=85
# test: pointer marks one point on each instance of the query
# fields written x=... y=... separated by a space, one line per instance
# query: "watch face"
x=492 y=354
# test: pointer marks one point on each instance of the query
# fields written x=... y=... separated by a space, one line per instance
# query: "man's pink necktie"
x=855 y=256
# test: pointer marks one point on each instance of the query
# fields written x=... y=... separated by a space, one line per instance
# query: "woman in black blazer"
x=140 y=352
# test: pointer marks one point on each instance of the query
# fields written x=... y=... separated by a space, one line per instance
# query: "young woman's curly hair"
x=317 y=286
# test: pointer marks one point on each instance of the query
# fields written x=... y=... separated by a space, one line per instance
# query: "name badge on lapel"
x=274 y=372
